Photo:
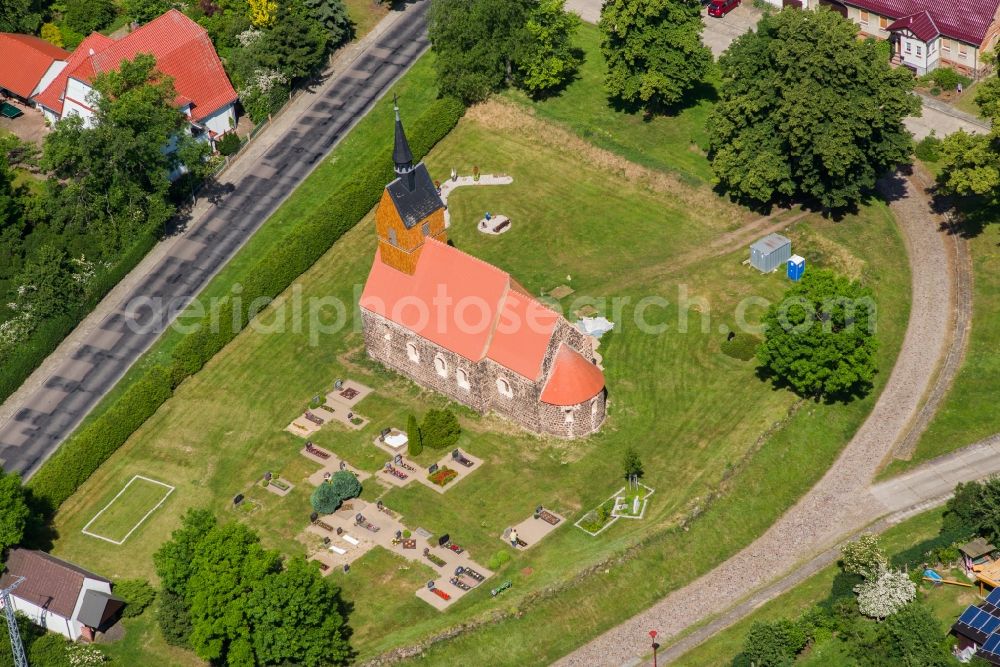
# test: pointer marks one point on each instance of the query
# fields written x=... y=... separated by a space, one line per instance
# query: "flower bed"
x=442 y=476
x=437 y=560
x=281 y=484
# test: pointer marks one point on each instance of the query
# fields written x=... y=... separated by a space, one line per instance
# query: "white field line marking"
x=170 y=489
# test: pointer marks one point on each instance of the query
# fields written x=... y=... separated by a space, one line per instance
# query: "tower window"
x=426 y=229
x=392 y=237
x=413 y=353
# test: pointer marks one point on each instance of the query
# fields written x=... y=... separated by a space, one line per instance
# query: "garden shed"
x=770 y=252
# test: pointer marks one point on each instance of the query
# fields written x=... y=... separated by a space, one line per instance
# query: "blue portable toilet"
x=796 y=267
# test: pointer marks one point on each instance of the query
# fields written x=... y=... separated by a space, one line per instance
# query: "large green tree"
x=236 y=603
x=19 y=16
x=820 y=339
x=440 y=429
x=85 y=16
x=477 y=44
x=144 y=11
x=549 y=59
x=47 y=286
x=653 y=49
x=808 y=112
x=970 y=166
x=113 y=178
x=332 y=14
x=14 y=511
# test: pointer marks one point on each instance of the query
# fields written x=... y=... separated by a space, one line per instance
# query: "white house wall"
x=221 y=121
x=54 y=69
x=89 y=585
x=46 y=619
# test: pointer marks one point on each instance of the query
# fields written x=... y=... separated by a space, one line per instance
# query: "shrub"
x=440 y=429
x=928 y=149
x=776 y=643
x=50 y=33
x=498 y=560
x=63 y=473
x=325 y=499
x=174 y=618
x=742 y=346
x=138 y=595
x=228 y=144
x=49 y=650
x=414 y=443
x=947 y=79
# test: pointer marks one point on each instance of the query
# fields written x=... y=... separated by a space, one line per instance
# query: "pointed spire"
x=401 y=154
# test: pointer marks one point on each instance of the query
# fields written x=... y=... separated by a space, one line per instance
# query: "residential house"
x=465 y=328
x=182 y=50
x=28 y=65
x=58 y=595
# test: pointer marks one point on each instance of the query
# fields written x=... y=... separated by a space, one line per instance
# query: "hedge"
x=49 y=333
x=90 y=446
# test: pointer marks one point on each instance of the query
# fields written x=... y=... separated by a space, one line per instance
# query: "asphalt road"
x=50 y=413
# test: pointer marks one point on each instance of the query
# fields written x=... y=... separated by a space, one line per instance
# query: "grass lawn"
x=967 y=100
x=968 y=414
x=694 y=414
x=675 y=143
x=128 y=508
x=946 y=601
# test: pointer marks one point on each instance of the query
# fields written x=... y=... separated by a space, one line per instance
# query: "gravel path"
x=840 y=503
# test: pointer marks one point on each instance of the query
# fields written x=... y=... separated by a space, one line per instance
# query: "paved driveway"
x=74 y=378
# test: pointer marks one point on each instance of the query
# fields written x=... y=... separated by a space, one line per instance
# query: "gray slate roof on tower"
x=401 y=153
x=414 y=196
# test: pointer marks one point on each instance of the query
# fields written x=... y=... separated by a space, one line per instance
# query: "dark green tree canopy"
x=85 y=16
x=820 y=339
x=653 y=49
x=332 y=14
x=808 y=112
x=346 y=484
x=234 y=602
x=476 y=43
x=19 y=16
x=325 y=499
x=144 y=11
x=14 y=511
x=415 y=443
x=632 y=464
x=440 y=429
x=548 y=59
x=774 y=644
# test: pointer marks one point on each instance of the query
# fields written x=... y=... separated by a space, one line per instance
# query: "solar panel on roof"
x=994 y=597
x=991 y=645
x=968 y=615
x=991 y=625
x=980 y=620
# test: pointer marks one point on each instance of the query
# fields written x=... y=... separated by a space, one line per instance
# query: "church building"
x=465 y=328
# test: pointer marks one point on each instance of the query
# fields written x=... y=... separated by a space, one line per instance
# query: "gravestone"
x=444 y=539
x=237 y=499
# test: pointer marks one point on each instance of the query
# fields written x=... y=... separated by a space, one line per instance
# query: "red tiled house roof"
x=52 y=96
x=182 y=50
x=921 y=25
x=967 y=21
x=24 y=60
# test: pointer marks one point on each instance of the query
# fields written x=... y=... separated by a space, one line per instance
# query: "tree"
x=47 y=285
x=632 y=464
x=885 y=594
x=144 y=11
x=415 y=443
x=653 y=49
x=549 y=59
x=294 y=619
x=964 y=510
x=769 y=644
x=263 y=13
x=476 y=44
x=325 y=499
x=864 y=557
x=807 y=111
x=51 y=34
x=346 y=485
x=86 y=16
x=14 y=511
x=296 y=45
x=440 y=429
x=229 y=561
x=19 y=16
x=234 y=602
x=112 y=179
x=820 y=340
x=912 y=638
x=333 y=16
x=970 y=166
x=174 y=559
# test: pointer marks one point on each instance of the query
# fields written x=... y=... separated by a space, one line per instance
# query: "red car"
x=719 y=8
